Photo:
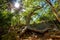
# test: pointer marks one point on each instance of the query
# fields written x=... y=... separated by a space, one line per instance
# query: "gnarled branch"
x=54 y=10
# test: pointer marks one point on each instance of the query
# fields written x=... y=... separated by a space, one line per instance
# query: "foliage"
x=34 y=11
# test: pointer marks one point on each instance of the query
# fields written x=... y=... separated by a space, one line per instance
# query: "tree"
x=31 y=11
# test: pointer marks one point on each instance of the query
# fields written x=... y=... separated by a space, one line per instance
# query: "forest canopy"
x=36 y=11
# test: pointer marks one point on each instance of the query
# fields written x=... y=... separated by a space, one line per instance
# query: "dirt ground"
x=28 y=35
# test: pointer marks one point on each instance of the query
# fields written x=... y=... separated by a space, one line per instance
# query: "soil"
x=30 y=35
